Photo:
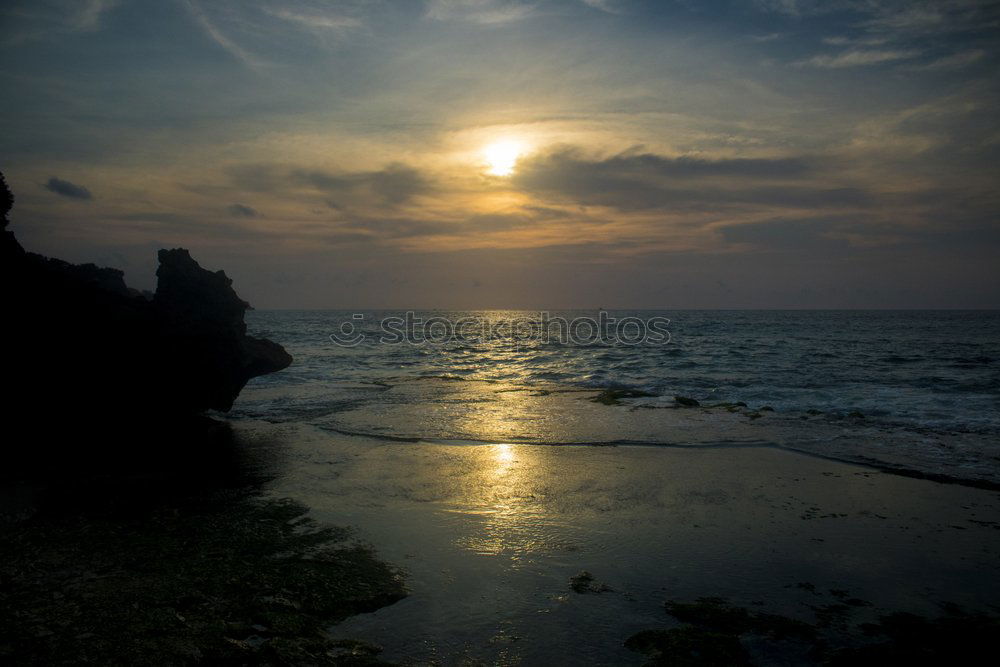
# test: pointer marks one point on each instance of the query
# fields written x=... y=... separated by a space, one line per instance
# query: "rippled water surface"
x=922 y=389
x=934 y=368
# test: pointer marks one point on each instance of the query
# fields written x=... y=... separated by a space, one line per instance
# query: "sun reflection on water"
x=504 y=456
x=507 y=499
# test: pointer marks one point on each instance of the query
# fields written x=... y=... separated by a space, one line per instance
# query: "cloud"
x=220 y=38
x=396 y=228
x=632 y=182
x=893 y=20
x=260 y=177
x=242 y=211
x=88 y=16
x=316 y=20
x=322 y=180
x=484 y=12
x=787 y=7
x=608 y=6
x=956 y=60
x=472 y=226
x=784 y=233
x=684 y=166
x=828 y=234
x=172 y=228
x=395 y=184
x=918 y=17
x=841 y=40
x=859 y=58
x=67 y=189
x=26 y=20
x=934 y=18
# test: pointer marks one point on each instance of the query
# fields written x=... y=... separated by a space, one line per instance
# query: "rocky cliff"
x=79 y=349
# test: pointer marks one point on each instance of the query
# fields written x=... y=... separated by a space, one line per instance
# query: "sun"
x=501 y=157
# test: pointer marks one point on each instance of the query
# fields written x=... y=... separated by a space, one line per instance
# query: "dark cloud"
x=785 y=234
x=397 y=183
x=258 y=177
x=646 y=181
x=321 y=180
x=242 y=211
x=67 y=189
x=649 y=165
x=828 y=235
x=794 y=197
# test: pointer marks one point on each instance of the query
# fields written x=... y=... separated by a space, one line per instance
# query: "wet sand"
x=471 y=411
x=490 y=535
x=510 y=552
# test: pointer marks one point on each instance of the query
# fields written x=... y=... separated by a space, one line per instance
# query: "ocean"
x=915 y=389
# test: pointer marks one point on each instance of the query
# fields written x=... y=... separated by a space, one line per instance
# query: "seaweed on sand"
x=242 y=580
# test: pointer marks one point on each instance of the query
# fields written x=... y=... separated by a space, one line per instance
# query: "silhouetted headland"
x=111 y=467
x=88 y=360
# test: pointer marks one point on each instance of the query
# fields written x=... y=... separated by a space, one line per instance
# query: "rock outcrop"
x=81 y=350
x=200 y=324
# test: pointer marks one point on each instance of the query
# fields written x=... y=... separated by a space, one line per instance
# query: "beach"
x=490 y=535
x=547 y=502
x=491 y=505
x=503 y=553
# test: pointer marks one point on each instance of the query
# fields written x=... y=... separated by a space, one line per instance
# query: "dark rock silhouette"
x=82 y=353
x=200 y=318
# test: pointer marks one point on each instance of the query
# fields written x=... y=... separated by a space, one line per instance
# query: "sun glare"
x=501 y=157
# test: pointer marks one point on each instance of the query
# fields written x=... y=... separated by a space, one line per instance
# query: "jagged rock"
x=686 y=402
x=614 y=396
x=80 y=349
x=584 y=582
x=202 y=318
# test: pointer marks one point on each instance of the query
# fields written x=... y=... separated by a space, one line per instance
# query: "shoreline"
x=510 y=526
x=913 y=473
x=532 y=553
x=433 y=410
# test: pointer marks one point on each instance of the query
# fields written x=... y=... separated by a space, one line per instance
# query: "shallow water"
x=489 y=536
x=931 y=378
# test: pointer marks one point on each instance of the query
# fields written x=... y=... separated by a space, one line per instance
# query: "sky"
x=536 y=154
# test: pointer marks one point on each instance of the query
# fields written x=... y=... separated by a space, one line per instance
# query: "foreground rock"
x=221 y=580
x=203 y=336
x=81 y=352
